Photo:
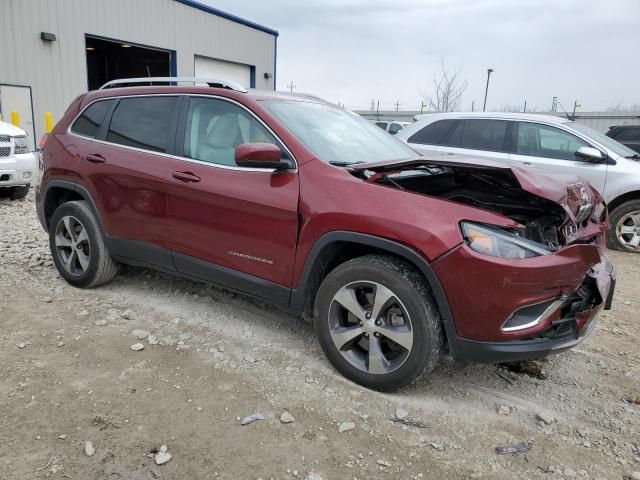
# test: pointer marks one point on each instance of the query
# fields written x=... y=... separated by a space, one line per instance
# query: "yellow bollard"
x=48 y=122
x=15 y=118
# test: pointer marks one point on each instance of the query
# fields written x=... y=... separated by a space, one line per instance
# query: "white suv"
x=18 y=166
x=552 y=144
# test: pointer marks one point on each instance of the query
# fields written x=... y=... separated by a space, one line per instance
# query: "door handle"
x=186 y=177
x=95 y=158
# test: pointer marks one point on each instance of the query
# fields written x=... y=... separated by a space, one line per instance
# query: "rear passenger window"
x=90 y=121
x=479 y=135
x=432 y=134
x=628 y=134
x=142 y=122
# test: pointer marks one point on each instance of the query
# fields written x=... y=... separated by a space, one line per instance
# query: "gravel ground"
x=69 y=376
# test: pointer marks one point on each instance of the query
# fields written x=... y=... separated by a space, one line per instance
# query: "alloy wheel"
x=628 y=230
x=73 y=247
x=370 y=327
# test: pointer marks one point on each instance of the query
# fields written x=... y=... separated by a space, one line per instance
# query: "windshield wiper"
x=337 y=163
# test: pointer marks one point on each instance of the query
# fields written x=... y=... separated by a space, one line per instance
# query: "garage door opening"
x=111 y=60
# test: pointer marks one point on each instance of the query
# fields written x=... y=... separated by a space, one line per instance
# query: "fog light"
x=26 y=175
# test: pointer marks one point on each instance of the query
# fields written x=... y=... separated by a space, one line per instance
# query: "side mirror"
x=590 y=154
x=261 y=155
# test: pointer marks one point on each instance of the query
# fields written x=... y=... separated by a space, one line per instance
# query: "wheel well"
x=56 y=196
x=333 y=255
x=616 y=202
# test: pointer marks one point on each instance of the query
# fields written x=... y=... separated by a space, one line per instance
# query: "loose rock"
x=163 y=456
x=88 y=449
x=128 y=315
x=136 y=347
x=346 y=426
x=545 y=418
x=286 y=417
x=100 y=323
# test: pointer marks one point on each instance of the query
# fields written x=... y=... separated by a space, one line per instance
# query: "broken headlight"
x=497 y=242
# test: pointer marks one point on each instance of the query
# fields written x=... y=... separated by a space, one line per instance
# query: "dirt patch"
x=211 y=358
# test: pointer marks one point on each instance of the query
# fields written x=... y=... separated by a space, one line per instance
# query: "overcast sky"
x=352 y=51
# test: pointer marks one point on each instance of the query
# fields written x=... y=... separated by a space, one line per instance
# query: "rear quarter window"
x=90 y=120
x=628 y=134
x=432 y=134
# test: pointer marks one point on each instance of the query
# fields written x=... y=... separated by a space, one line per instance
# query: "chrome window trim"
x=186 y=159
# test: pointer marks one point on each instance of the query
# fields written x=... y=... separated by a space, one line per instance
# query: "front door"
x=552 y=151
x=230 y=225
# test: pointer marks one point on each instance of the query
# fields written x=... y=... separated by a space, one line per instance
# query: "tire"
x=625 y=218
x=74 y=228
x=17 y=193
x=409 y=312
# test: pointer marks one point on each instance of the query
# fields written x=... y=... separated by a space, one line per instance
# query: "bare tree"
x=517 y=108
x=447 y=91
x=616 y=107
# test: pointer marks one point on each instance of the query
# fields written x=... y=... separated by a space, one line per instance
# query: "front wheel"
x=377 y=322
x=78 y=248
x=625 y=227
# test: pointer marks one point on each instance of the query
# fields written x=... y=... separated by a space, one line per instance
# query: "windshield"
x=601 y=138
x=337 y=135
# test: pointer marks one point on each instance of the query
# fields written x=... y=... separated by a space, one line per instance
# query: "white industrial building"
x=53 y=50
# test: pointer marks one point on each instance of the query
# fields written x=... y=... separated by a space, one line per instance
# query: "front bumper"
x=492 y=289
x=20 y=169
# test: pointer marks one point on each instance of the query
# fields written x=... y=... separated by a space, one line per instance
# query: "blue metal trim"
x=252 y=76
x=228 y=16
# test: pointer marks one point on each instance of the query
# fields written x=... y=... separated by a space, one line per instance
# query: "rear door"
x=231 y=225
x=552 y=150
x=430 y=137
x=123 y=148
x=479 y=137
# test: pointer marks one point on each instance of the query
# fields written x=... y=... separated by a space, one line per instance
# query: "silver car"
x=552 y=144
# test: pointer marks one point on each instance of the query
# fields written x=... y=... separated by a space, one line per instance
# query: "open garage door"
x=112 y=59
x=236 y=72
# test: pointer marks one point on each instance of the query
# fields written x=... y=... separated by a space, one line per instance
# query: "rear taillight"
x=43 y=141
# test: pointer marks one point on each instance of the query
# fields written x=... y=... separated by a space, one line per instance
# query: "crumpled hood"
x=575 y=194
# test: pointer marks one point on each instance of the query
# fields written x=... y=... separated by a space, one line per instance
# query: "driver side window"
x=214 y=128
x=538 y=140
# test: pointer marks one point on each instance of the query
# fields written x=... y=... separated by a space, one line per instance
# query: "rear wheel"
x=17 y=193
x=377 y=323
x=625 y=227
x=78 y=248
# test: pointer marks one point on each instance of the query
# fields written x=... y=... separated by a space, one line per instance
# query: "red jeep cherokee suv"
x=308 y=206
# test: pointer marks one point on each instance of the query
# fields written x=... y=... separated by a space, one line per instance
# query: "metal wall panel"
x=57 y=71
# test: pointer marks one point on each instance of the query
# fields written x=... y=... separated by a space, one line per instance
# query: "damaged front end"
x=533 y=284
x=548 y=213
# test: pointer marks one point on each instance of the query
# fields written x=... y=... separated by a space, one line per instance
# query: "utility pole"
x=554 y=104
x=291 y=86
x=486 y=90
x=397 y=104
x=524 y=110
x=422 y=105
x=473 y=104
x=378 y=110
x=575 y=105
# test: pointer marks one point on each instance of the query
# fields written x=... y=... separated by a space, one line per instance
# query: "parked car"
x=628 y=135
x=392 y=127
x=551 y=144
x=18 y=166
x=314 y=209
